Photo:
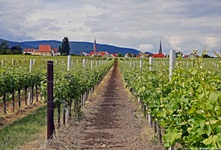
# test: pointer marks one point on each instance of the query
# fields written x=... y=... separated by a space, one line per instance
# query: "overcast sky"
x=182 y=25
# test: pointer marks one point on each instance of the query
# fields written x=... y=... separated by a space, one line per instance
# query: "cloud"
x=180 y=25
x=200 y=8
x=175 y=42
x=145 y=47
x=13 y=15
x=211 y=41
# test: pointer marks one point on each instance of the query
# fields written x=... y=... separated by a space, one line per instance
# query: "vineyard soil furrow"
x=111 y=120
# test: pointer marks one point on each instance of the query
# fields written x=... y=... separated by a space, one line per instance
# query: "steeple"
x=160 y=50
x=95 y=47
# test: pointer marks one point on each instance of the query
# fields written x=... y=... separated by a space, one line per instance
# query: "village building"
x=160 y=53
x=191 y=56
x=143 y=55
x=29 y=50
x=96 y=53
x=113 y=55
x=43 y=50
x=84 y=54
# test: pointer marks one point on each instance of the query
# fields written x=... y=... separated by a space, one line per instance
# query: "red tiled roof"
x=114 y=55
x=92 y=53
x=102 y=53
x=143 y=55
x=55 y=50
x=158 y=55
x=45 y=48
x=186 y=56
x=29 y=50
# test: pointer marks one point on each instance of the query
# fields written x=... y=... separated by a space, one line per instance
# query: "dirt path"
x=111 y=121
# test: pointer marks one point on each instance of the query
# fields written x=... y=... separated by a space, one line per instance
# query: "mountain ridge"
x=76 y=46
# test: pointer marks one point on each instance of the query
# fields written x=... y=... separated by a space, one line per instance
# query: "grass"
x=22 y=130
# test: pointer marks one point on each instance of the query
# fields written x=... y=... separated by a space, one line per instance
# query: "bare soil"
x=111 y=121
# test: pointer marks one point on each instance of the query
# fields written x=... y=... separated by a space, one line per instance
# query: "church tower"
x=95 y=47
x=160 y=50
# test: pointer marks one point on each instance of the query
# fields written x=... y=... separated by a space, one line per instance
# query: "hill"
x=76 y=47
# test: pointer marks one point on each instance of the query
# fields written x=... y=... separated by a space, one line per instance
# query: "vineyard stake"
x=138 y=100
x=84 y=63
x=151 y=68
x=29 y=88
x=69 y=62
x=50 y=107
x=91 y=64
x=140 y=64
x=13 y=64
x=66 y=110
x=151 y=63
x=172 y=63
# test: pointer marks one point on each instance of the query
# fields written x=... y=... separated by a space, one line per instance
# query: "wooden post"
x=50 y=105
x=4 y=103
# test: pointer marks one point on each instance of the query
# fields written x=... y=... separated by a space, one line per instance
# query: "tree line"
x=5 y=49
x=64 y=48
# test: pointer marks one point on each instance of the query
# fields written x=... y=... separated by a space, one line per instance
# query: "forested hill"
x=76 y=47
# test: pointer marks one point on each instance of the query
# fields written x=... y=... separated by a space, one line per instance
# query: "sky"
x=182 y=25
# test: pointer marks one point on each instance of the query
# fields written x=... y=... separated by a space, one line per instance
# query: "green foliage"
x=4 y=45
x=64 y=49
x=129 y=54
x=70 y=85
x=188 y=106
x=18 y=78
x=4 y=48
x=119 y=55
x=178 y=54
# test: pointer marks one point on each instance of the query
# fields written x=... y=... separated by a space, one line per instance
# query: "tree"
x=16 y=49
x=129 y=54
x=119 y=55
x=179 y=54
x=8 y=51
x=59 y=49
x=4 y=45
x=207 y=56
x=65 y=47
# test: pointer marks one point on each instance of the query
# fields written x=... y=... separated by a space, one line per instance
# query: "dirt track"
x=111 y=121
